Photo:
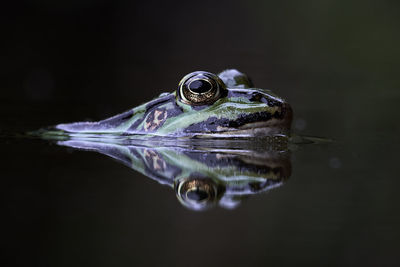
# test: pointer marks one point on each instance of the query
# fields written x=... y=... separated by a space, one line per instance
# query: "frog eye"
x=197 y=194
x=200 y=88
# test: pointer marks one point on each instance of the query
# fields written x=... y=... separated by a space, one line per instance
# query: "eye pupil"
x=197 y=195
x=200 y=86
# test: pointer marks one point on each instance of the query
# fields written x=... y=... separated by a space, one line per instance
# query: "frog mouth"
x=262 y=123
x=254 y=129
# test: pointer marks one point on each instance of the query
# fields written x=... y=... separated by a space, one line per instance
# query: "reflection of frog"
x=202 y=176
x=205 y=105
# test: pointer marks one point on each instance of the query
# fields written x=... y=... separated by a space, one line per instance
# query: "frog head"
x=204 y=105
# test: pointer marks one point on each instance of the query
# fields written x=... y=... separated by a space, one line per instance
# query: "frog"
x=203 y=176
x=204 y=105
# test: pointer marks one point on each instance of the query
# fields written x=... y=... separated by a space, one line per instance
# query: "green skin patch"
x=236 y=110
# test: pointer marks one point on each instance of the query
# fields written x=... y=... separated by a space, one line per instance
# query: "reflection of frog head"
x=204 y=105
x=202 y=177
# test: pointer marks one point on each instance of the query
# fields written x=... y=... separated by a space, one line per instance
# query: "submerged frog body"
x=204 y=105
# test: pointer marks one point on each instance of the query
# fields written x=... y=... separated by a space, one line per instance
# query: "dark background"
x=336 y=62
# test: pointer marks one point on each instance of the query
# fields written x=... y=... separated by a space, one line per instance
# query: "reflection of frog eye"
x=197 y=194
x=200 y=88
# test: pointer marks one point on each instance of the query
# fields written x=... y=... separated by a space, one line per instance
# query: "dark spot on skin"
x=126 y=116
x=153 y=121
x=152 y=106
x=210 y=125
x=256 y=97
x=248 y=118
x=148 y=157
x=278 y=115
x=150 y=117
x=135 y=125
x=271 y=102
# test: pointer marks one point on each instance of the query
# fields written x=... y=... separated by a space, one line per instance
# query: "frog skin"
x=201 y=176
x=204 y=105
